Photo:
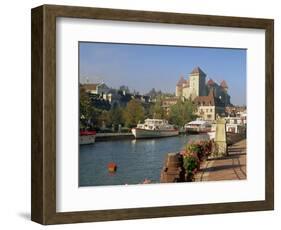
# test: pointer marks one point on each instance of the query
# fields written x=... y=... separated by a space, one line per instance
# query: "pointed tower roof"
x=181 y=81
x=223 y=84
x=186 y=84
x=197 y=70
x=210 y=82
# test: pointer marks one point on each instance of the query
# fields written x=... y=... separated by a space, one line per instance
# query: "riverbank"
x=124 y=136
x=232 y=138
x=231 y=167
x=113 y=136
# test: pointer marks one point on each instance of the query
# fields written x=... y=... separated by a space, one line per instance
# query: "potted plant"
x=193 y=154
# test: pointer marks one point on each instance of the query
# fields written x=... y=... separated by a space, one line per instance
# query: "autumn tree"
x=104 y=118
x=116 y=115
x=156 y=110
x=133 y=113
x=182 y=112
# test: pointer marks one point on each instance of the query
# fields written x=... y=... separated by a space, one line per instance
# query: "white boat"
x=87 y=137
x=198 y=126
x=152 y=128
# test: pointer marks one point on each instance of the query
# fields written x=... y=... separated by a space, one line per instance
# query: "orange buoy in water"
x=112 y=167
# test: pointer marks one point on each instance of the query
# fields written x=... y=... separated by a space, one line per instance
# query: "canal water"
x=136 y=159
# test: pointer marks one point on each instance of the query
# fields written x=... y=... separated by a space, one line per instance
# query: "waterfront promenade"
x=231 y=167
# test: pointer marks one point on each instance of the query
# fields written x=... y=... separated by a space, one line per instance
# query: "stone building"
x=196 y=86
x=168 y=102
x=220 y=91
x=192 y=87
x=209 y=107
x=100 y=93
x=99 y=88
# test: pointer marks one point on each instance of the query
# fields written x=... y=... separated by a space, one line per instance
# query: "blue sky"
x=143 y=67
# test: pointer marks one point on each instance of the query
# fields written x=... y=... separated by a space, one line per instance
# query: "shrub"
x=191 y=164
x=193 y=154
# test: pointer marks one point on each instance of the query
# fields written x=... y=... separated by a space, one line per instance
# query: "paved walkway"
x=231 y=167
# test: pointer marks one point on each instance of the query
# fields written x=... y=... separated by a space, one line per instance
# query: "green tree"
x=133 y=113
x=156 y=110
x=116 y=115
x=104 y=118
x=88 y=114
x=182 y=113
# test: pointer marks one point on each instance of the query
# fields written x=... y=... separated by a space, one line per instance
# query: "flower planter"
x=112 y=167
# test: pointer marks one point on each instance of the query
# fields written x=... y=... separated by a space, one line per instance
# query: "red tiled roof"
x=211 y=82
x=209 y=100
x=90 y=86
x=197 y=70
x=205 y=100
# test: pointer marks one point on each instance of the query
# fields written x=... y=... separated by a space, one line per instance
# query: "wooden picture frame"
x=43 y=207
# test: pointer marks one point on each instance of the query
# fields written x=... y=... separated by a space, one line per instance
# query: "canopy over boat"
x=198 y=122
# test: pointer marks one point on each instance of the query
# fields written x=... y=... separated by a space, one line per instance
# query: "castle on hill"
x=196 y=86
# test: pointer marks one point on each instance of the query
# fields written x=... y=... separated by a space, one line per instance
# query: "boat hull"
x=87 y=139
x=197 y=131
x=144 y=133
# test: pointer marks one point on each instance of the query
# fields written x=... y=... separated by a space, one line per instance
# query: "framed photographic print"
x=140 y=114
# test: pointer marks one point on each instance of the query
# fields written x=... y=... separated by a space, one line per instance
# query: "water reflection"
x=135 y=159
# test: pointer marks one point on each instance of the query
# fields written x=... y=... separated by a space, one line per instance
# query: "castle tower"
x=224 y=86
x=225 y=96
x=197 y=83
x=179 y=86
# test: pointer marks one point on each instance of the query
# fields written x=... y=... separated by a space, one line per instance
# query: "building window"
x=211 y=110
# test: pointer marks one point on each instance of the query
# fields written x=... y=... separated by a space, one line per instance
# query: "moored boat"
x=87 y=137
x=153 y=128
x=198 y=126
